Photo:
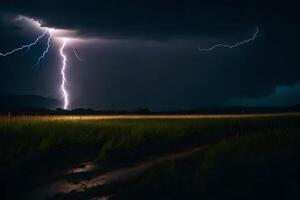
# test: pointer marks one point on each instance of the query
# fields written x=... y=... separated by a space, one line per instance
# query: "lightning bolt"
x=64 y=83
x=64 y=91
x=47 y=48
x=232 y=46
x=25 y=46
x=76 y=54
x=64 y=80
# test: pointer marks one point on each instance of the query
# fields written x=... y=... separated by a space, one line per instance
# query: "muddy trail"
x=90 y=180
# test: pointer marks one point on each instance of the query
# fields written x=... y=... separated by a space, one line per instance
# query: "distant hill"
x=242 y=109
x=38 y=105
x=17 y=102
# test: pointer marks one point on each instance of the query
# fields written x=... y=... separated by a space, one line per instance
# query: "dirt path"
x=89 y=183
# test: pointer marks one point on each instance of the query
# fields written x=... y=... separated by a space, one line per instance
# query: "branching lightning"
x=55 y=34
x=25 y=46
x=47 y=48
x=76 y=54
x=63 y=75
x=50 y=32
x=232 y=46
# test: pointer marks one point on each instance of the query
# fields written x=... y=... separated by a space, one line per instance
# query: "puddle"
x=108 y=178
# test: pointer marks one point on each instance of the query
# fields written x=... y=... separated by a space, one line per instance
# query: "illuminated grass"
x=24 y=137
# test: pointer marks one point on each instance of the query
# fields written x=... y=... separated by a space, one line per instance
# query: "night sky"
x=145 y=53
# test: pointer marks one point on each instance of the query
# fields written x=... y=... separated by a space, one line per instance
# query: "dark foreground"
x=136 y=157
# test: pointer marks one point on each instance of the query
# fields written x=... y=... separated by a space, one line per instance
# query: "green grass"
x=262 y=165
x=24 y=138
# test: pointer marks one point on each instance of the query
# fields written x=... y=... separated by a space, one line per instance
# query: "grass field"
x=264 y=165
x=238 y=147
x=22 y=136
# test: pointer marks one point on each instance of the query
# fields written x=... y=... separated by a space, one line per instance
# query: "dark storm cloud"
x=143 y=19
x=154 y=60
